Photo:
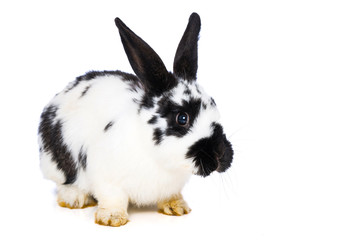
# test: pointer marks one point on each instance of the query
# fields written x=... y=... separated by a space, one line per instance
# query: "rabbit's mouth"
x=213 y=153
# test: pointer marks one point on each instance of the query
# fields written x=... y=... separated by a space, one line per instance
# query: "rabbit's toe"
x=174 y=206
x=72 y=197
x=113 y=218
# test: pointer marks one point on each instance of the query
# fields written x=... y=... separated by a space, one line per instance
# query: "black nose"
x=219 y=156
x=219 y=150
x=227 y=156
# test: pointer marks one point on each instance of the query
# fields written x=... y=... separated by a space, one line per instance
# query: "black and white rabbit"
x=112 y=138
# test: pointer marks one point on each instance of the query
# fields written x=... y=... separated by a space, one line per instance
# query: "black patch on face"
x=212 y=102
x=169 y=110
x=225 y=161
x=53 y=142
x=82 y=158
x=153 y=120
x=109 y=125
x=158 y=136
x=212 y=153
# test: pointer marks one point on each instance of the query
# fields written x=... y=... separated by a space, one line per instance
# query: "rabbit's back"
x=79 y=116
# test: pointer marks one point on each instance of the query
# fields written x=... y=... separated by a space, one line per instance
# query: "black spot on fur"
x=212 y=102
x=147 y=101
x=187 y=91
x=158 y=136
x=212 y=153
x=53 y=143
x=198 y=89
x=109 y=125
x=133 y=81
x=85 y=91
x=94 y=74
x=204 y=106
x=82 y=158
x=153 y=120
x=169 y=110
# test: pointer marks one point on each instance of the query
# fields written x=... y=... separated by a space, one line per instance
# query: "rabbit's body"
x=93 y=115
x=112 y=138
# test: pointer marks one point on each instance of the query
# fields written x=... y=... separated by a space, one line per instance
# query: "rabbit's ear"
x=145 y=62
x=186 y=57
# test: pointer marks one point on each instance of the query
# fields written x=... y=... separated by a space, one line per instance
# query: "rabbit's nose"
x=219 y=151
x=219 y=155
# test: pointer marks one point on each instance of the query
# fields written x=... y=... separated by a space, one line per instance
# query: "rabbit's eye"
x=182 y=118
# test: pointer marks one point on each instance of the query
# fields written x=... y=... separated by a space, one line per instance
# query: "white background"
x=286 y=78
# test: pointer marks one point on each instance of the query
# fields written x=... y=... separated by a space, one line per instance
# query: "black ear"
x=145 y=62
x=186 y=57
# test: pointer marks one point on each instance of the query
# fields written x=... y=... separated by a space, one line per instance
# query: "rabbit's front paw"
x=72 y=197
x=174 y=206
x=110 y=217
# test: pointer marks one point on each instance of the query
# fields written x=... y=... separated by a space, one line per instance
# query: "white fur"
x=49 y=168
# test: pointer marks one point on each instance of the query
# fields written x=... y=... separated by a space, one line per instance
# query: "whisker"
x=202 y=166
x=235 y=132
x=201 y=150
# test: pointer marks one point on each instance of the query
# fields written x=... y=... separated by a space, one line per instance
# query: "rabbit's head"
x=184 y=119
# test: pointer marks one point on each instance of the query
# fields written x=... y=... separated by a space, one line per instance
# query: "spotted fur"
x=116 y=137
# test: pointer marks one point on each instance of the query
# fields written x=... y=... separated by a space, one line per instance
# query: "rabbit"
x=112 y=138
